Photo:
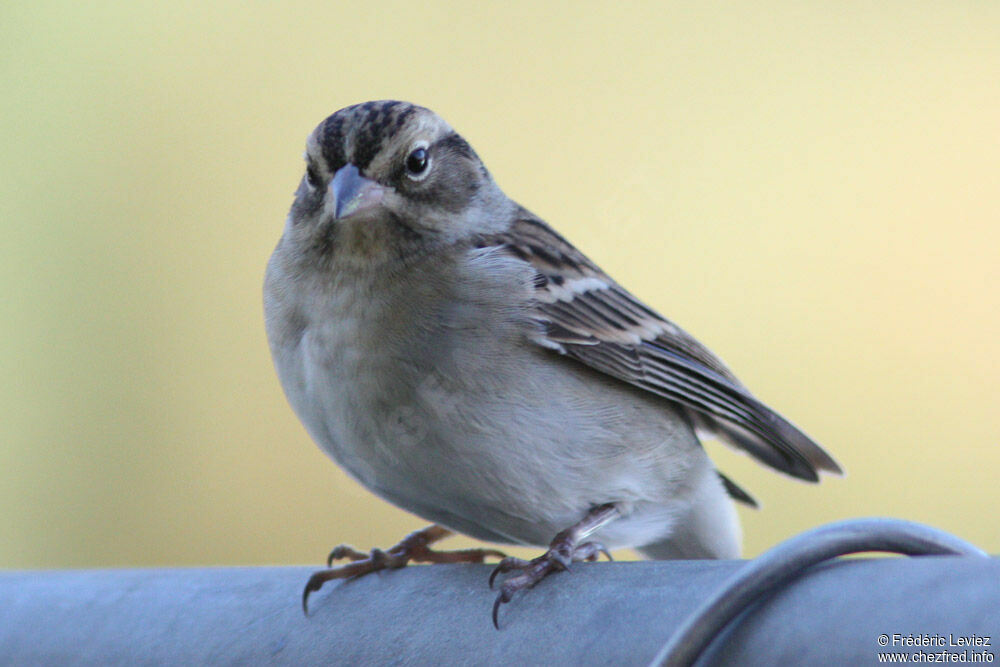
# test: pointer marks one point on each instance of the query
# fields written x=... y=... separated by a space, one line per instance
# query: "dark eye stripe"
x=312 y=175
x=454 y=143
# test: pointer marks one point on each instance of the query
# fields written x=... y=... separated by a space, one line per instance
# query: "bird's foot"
x=565 y=549
x=414 y=547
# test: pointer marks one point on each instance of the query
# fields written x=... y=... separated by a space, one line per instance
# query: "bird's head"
x=385 y=180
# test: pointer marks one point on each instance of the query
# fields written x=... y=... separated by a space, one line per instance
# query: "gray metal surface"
x=776 y=568
x=602 y=613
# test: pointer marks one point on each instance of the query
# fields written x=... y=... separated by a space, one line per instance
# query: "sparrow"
x=462 y=360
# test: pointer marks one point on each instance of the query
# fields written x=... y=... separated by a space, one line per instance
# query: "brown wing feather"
x=587 y=316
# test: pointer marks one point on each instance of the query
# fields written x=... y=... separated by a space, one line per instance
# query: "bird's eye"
x=417 y=162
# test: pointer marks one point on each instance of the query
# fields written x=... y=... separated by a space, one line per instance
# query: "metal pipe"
x=601 y=613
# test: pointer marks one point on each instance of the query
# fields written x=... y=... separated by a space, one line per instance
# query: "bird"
x=462 y=360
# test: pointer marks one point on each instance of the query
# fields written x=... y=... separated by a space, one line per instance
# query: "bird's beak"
x=352 y=193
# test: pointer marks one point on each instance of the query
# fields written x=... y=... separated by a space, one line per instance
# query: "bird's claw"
x=344 y=551
x=559 y=557
x=373 y=562
x=414 y=547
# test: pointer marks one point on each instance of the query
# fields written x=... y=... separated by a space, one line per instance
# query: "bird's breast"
x=429 y=392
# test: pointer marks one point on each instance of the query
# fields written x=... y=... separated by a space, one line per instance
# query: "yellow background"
x=810 y=188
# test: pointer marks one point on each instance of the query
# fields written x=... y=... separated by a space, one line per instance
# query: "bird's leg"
x=566 y=547
x=414 y=547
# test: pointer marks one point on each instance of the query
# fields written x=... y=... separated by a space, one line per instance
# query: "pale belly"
x=510 y=452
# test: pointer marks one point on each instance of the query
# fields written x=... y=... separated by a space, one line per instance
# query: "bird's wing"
x=583 y=314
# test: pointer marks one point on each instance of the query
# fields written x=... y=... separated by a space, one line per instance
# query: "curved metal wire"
x=782 y=564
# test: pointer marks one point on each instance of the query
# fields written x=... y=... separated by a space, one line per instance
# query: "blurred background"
x=809 y=188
